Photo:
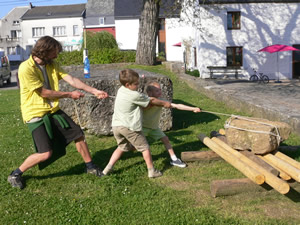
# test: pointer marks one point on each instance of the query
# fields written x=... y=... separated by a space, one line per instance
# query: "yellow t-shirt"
x=30 y=79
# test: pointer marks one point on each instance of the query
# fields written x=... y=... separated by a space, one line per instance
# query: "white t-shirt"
x=127 y=111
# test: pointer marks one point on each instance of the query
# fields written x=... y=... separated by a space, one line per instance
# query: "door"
x=296 y=63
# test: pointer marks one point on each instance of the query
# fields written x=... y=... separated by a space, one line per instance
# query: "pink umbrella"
x=278 y=48
x=177 y=44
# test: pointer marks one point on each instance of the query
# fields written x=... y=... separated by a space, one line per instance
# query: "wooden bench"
x=224 y=70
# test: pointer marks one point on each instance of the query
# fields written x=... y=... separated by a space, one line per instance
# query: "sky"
x=7 y=5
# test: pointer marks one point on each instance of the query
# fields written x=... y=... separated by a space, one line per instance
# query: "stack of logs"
x=274 y=168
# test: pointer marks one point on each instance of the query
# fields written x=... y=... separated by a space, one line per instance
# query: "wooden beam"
x=248 y=171
x=260 y=162
x=287 y=159
x=282 y=174
x=276 y=183
x=233 y=186
x=284 y=166
x=199 y=156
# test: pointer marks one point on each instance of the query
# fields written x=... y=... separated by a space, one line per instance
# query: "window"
x=16 y=22
x=233 y=20
x=15 y=33
x=234 y=56
x=102 y=20
x=59 y=31
x=13 y=50
x=38 y=31
x=75 y=30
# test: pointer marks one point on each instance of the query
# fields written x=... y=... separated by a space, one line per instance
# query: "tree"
x=188 y=12
x=148 y=29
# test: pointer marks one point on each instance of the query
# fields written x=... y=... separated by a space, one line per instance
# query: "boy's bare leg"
x=174 y=160
x=152 y=173
x=113 y=159
x=168 y=146
x=148 y=158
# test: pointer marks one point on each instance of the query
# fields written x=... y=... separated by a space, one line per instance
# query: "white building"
x=63 y=22
x=233 y=33
x=11 y=34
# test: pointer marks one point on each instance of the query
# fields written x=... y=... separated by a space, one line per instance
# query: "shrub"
x=102 y=49
x=194 y=73
x=100 y=56
x=100 y=40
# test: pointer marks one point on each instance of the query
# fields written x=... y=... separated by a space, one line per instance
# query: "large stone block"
x=255 y=134
x=95 y=115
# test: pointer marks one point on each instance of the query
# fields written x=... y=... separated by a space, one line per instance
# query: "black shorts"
x=65 y=135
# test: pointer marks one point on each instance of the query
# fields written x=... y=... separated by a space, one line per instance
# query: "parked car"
x=5 y=73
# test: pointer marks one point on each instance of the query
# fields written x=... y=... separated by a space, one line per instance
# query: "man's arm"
x=75 y=82
x=185 y=107
x=50 y=94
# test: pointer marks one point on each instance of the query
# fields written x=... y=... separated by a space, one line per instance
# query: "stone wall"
x=95 y=115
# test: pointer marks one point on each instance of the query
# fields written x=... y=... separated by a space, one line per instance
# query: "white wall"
x=127 y=33
x=68 y=40
x=177 y=32
x=262 y=24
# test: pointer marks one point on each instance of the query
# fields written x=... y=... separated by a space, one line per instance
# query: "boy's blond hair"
x=128 y=76
x=150 y=86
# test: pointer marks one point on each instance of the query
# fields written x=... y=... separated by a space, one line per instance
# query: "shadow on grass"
x=183 y=119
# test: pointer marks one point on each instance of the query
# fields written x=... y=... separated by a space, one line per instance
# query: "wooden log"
x=198 y=156
x=282 y=174
x=222 y=132
x=287 y=159
x=233 y=186
x=272 y=180
x=248 y=171
x=218 y=135
x=260 y=162
x=286 y=167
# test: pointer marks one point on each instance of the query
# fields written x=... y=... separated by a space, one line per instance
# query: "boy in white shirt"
x=127 y=121
x=151 y=121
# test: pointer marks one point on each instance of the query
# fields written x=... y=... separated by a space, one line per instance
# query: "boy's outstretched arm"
x=158 y=102
x=185 y=107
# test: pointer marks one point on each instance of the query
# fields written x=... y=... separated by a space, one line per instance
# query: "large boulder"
x=95 y=115
x=255 y=134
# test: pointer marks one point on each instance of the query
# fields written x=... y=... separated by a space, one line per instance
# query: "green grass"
x=63 y=194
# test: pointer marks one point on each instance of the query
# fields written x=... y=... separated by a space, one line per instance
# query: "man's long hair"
x=44 y=46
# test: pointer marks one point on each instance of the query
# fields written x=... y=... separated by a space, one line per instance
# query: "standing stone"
x=255 y=134
x=95 y=115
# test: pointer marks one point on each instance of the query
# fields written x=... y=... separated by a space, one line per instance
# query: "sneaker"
x=178 y=163
x=16 y=180
x=95 y=170
x=155 y=173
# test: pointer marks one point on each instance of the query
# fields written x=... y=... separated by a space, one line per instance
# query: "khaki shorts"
x=127 y=138
x=155 y=134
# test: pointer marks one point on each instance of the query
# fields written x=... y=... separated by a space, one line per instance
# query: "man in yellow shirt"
x=39 y=77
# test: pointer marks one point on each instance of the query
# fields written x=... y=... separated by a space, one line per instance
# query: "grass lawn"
x=63 y=194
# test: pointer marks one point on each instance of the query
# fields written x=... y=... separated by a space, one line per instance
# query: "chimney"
x=30 y=5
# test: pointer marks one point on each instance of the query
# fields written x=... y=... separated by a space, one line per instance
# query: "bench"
x=224 y=70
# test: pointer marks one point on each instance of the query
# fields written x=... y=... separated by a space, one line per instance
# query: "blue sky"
x=7 y=5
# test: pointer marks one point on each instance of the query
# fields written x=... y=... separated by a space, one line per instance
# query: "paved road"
x=273 y=101
x=13 y=84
